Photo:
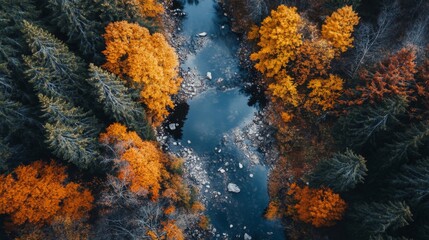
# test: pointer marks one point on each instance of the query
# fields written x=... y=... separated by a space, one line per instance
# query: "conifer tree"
x=364 y=123
x=411 y=183
x=73 y=18
x=378 y=218
x=117 y=101
x=341 y=172
x=71 y=133
x=53 y=69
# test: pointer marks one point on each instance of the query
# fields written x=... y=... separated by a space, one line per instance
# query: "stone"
x=172 y=126
x=240 y=165
x=231 y=226
x=202 y=34
x=251 y=175
x=247 y=236
x=221 y=170
x=209 y=75
x=233 y=188
x=189 y=141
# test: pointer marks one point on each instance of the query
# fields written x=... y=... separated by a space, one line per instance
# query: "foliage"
x=338 y=28
x=147 y=61
x=320 y=207
x=324 y=93
x=149 y=8
x=376 y=218
x=279 y=40
x=38 y=192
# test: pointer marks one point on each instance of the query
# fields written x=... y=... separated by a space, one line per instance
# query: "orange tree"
x=320 y=207
x=147 y=62
x=38 y=192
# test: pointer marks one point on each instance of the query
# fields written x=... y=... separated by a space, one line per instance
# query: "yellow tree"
x=149 y=8
x=338 y=28
x=39 y=192
x=324 y=93
x=279 y=40
x=147 y=62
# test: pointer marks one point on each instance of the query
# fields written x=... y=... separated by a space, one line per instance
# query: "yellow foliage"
x=320 y=207
x=283 y=91
x=197 y=207
x=272 y=211
x=149 y=8
x=338 y=28
x=147 y=61
x=253 y=33
x=324 y=93
x=279 y=40
x=38 y=192
x=172 y=231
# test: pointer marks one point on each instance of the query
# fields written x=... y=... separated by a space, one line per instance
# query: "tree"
x=338 y=28
x=52 y=69
x=140 y=162
x=39 y=192
x=393 y=76
x=378 y=218
x=73 y=18
x=410 y=183
x=320 y=207
x=279 y=40
x=149 y=8
x=324 y=93
x=71 y=132
x=341 y=172
x=147 y=61
x=364 y=123
x=117 y=101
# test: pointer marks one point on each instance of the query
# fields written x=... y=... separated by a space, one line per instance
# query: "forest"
x=88 y=88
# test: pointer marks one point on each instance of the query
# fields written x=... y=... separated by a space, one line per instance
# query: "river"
x=208 y=131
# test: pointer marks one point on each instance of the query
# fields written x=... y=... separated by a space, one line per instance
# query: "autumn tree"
x=324 y=93
x=279 y=40
x=338 y=28
x=140 y=161
x=117 y=101
x=341 y=172
x=378 y=218
x=320 y=207
x=39 y=192
x=393 y=76
x=148 y=63
x=149 y=8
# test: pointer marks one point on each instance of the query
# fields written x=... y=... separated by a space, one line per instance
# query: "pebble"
x=240 y=165
x=251 y=175
x=231 y=226
x=189 y=141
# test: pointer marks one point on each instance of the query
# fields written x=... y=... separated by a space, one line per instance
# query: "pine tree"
x=117 y=101
x=364 y=123
x=378 y=218
x=411 y=183
x=71 y=133
x=73 y=18
x=341 y=172
x=53 y=69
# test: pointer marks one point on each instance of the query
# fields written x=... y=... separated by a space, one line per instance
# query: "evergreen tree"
x=379 y=218
x=386 y=237
x=406 y=146
x=71 y=133
x=117 y=101
x=73 y=18
x=411 y=183
x=341 y=172
x=53 y=69
x=364 y=123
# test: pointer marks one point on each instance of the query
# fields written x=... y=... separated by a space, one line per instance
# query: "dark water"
x=205 y=122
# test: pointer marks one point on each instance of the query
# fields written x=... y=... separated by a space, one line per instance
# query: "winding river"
x=205 y=130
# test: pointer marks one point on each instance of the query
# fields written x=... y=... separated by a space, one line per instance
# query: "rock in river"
x=172 y=126
x=209 y=75
x=247 y=237
x=233 y=188
x=202 y=34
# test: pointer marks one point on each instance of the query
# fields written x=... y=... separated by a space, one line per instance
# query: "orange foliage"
x=197 y=207
x=272 y=211
x=169 y=210
x=149 y=8
x=147 y=61
x=38 y=192
x=338 y=28
x=279 y=40
x=203 y=222
x=324 y=93
x=143 y=160
x=320 y=207
x=393 y=76
x=313 y=59
x=172 y=231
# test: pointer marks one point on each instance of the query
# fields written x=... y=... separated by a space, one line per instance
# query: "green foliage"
x=341 y=172
x=117 y=101
x=72 y=17
x=411 y=183
x=71 y=133
x=364 y=123
x=378 y=218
